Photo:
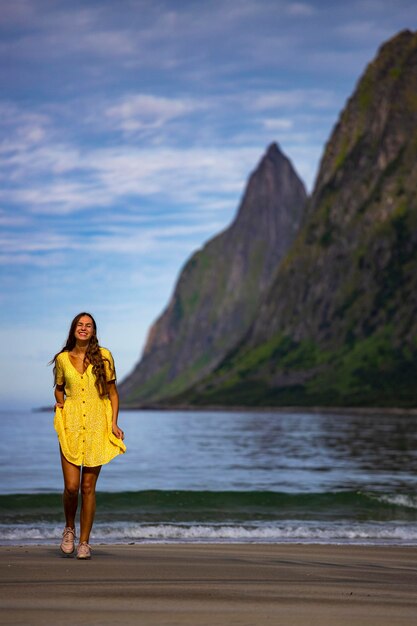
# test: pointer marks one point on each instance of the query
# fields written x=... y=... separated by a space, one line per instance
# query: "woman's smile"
x=84 y=329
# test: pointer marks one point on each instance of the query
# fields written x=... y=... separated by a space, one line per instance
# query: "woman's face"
x=84 y=329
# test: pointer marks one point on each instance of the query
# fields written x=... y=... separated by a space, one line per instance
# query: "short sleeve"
x=108 y=365
x=59 y=371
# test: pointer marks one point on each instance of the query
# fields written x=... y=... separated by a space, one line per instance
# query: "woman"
x=86 y=411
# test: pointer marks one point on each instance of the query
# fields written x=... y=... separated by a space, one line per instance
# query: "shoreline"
x=52 y=543
x=200 y=585
x=260 y=409
x=277 y=409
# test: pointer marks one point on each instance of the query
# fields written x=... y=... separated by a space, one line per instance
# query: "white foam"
x=306 y=532
x=399 y=500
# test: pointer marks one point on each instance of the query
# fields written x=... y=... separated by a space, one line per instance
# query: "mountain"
x=220 y=287
x=338 y=325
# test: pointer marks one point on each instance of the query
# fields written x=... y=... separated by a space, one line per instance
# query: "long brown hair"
x=93 y=354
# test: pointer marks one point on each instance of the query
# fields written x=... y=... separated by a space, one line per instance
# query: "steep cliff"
x=339 y=323
x=220 y=288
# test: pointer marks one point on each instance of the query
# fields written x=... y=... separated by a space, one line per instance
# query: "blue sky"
x=127 y=131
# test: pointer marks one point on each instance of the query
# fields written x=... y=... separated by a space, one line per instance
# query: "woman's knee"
x=88 y=488
x=71 y=490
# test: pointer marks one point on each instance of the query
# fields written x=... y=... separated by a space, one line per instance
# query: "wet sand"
x=210 y=585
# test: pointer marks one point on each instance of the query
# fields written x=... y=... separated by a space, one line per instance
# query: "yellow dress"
x=84 y=425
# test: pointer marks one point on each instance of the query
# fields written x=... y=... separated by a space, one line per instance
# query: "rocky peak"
x=273 y=176
x=218 y=291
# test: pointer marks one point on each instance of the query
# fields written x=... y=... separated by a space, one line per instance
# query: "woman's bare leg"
x=71 y=474
x=88 y=507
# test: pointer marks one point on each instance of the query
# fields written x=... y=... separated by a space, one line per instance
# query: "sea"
x=240 y=476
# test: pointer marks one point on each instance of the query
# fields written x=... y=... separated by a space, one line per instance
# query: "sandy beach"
x=211 y=585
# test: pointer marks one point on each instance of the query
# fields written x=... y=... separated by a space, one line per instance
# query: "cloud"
x=300 y=9
x=58 y=179
x=8 y=220
x=136 y=112
x=277 y=124
x=363 y=31
x=34 y=242
x=53 y=29
x=29 y=260
x=290 y=98
x=151 y=240
x=19 y=12
x=120 y=239
x=47 y=169
x=54 y=198
x=108 y=43
x=213 y=38
x=21 y=128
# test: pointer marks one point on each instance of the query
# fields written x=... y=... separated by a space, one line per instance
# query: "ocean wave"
x=388 y=533
x=402 y=500
x=204 y=507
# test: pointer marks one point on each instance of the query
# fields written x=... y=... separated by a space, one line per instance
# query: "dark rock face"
x=220 y=287
x=339 y=323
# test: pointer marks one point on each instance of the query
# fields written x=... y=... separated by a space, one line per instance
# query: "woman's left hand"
x=117 y=432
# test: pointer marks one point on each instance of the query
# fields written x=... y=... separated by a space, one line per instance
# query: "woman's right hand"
x=58 y=405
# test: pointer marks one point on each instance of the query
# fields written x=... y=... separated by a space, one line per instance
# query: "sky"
x=128 y=130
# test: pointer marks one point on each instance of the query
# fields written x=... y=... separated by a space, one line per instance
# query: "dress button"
x=83 y=401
